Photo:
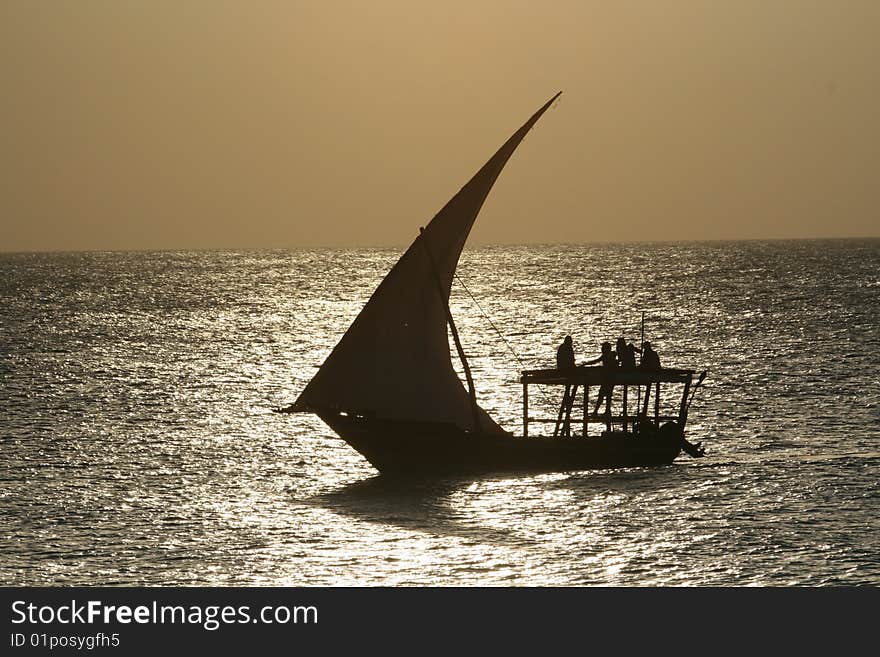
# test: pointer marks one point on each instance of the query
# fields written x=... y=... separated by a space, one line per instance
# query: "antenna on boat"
x=641 y=346
x=642 y=341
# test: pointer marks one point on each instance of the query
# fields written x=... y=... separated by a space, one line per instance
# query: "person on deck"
x=650 y=359
x=565 y=362
x=608 y=360
x=565 y=354
x=626 y=354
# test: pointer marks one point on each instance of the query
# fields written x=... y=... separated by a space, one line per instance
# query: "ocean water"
x=139 y=446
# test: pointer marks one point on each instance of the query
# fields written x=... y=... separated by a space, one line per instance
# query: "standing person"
x=609 y=361
x=626 y=358
x=565 y=363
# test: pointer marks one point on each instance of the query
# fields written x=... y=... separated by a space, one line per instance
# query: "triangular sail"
x=394 y=361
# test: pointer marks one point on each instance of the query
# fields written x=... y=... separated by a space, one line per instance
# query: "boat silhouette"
x=390 y=391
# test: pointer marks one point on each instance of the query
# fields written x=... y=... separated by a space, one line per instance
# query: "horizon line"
x=331 y=247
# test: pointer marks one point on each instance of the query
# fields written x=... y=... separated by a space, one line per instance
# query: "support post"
x=586 y=408
x=562 y=407
x=566 y=427
x=683 y=408
x=657 y=406
x=625 y=419
x=525 y=410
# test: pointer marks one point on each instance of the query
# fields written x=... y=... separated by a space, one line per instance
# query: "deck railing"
x=585 y=377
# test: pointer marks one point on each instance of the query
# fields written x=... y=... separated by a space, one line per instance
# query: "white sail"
x=394 y=361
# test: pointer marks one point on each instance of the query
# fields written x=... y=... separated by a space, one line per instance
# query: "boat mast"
x=472 y=393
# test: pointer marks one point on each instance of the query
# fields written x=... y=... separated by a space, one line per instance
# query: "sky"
x=207 y=124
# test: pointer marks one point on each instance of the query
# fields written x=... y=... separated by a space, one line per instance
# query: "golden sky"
x=136 y=124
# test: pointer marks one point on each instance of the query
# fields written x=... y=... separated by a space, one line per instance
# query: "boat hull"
x=395 y=447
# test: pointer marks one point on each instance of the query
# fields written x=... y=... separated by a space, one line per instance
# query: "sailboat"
x=390 y=391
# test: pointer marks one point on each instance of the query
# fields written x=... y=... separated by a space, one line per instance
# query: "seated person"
x=565 y=354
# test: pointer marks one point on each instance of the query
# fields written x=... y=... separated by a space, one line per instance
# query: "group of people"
x=624 y=355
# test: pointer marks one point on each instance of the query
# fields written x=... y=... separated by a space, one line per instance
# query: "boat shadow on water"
x=588 y=485
x=416 y=504
x=433 y=505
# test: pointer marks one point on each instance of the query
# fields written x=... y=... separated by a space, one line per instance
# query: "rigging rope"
x=500 y=334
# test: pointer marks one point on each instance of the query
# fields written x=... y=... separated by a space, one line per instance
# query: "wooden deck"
x=597 y=375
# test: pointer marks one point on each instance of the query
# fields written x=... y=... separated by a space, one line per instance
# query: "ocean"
x=139 y=446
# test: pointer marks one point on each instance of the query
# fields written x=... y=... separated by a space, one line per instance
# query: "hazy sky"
x=199 y=124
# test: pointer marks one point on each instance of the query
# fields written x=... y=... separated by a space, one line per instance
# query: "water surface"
x=139 y=446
